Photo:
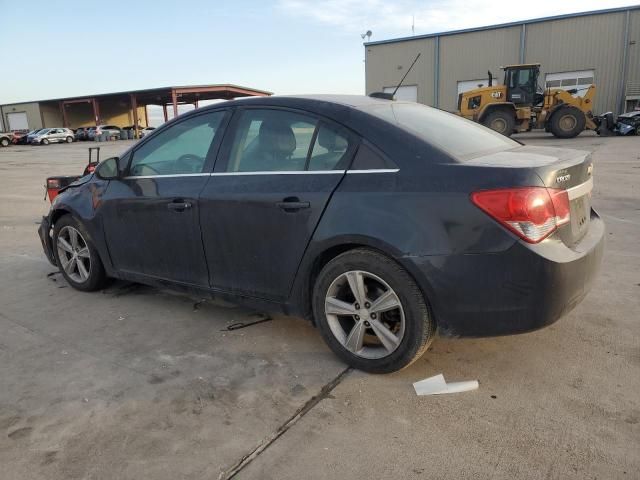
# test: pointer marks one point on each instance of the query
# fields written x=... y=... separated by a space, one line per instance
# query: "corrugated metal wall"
x=468 y=56
x=383 y=62
x=561 y=45
x=581 y=43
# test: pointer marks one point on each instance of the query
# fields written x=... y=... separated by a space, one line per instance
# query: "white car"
x=53 y=135
x=146 y=131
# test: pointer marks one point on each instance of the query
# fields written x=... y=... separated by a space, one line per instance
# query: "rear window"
x=455 y=135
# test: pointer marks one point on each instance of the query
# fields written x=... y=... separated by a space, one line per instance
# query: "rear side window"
x=282 y=141
x=329 y=150
x=461 y=138
x=369 y=158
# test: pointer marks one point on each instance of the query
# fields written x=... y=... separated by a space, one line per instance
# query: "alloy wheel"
x=74 y=255
x=365 y=314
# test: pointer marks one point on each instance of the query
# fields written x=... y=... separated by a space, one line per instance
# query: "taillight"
x=532 y=213
x=53 y=183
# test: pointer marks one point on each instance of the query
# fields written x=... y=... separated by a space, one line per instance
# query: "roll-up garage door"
x=405 y=92
x=18 y=121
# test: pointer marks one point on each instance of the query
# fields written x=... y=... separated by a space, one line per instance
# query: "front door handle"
x=178 y=206
x=292 y=204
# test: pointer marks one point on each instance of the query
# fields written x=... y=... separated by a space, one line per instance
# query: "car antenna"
x=405 y=75
x=392 y=96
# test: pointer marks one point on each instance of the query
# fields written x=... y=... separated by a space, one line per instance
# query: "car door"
x=274 y=175
x=151 y=214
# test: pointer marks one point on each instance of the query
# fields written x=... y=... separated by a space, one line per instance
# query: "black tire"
x=501 y=121
x=97 y=277
x=419 y=329
x=44 y=142
x=4 y=142
x=567 y=122
x=69 y=139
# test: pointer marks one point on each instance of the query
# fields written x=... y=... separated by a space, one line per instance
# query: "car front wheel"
x=371 y=313
x=76 y=255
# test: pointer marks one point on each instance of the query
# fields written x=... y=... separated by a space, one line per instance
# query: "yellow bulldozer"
x=519 y=105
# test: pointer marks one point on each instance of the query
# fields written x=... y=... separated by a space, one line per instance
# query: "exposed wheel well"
x=55 y=216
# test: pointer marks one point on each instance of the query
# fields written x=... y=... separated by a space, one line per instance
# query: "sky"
x=59 y=49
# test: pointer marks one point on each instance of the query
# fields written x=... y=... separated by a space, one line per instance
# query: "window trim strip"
x=283 y=172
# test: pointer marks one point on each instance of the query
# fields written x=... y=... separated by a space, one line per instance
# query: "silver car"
x=53 y=135
x=110 y=130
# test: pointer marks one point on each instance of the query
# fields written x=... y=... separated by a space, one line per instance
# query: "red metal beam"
x=65 y=124
x=84 y=100
x=222 y=88
x=174 y=100
x=134 y=107
x=96 y=111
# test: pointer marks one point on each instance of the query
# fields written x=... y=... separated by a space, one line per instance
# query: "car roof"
x=354 y=101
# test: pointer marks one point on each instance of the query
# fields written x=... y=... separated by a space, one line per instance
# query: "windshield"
x=457 y=136
x=43 y=131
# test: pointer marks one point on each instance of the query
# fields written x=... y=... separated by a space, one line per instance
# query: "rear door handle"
x=178 y=206
x=292 y=204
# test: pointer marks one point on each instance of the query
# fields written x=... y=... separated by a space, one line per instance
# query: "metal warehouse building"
x=601 y=47
x=120 y=109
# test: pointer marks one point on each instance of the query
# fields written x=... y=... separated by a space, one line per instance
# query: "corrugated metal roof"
x=503 y=25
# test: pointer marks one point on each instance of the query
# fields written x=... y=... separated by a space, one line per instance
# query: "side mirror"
x=108 y=169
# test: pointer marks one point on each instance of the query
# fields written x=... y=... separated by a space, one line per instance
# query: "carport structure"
x=128 y=107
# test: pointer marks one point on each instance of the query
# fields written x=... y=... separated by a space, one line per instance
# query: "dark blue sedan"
x=378 y=220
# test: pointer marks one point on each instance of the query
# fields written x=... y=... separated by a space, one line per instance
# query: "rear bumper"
x=45 y=239
x=519 y=290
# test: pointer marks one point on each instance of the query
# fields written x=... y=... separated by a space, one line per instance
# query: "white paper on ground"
x=436 y=385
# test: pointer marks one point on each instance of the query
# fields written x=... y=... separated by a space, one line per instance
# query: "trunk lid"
x=558 y=168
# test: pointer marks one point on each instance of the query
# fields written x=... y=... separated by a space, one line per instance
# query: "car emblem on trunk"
x=590 y=169
x=563 y=178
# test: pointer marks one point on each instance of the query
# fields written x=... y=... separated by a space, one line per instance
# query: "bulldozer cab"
x=521 y=82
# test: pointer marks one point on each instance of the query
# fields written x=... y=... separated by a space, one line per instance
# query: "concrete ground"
x=134 y=382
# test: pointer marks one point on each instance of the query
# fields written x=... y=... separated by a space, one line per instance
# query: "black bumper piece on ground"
x=43 y=232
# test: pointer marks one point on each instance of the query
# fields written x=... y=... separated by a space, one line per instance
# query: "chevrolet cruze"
x=379 y=220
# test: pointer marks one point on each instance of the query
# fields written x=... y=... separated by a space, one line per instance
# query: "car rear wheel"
x=4 y=142
x=502 y=121
x=371 y=313
x=69 y=139
x=567 y=122
x=45 y=141
x=76 y=255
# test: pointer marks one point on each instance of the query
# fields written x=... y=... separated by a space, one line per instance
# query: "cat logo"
x=496 y=94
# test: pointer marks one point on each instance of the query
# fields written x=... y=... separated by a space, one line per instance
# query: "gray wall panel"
x=468 y=56
x=383 y=62
x=581 y=43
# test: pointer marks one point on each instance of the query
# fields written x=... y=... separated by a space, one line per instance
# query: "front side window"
x=180 y=149
x=276 y=140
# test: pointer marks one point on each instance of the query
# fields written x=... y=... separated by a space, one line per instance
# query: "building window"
x=580 y=80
